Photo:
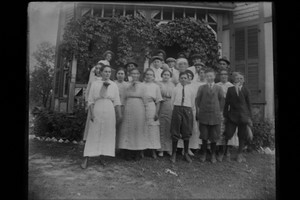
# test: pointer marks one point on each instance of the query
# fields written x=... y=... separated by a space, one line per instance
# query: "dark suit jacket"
x=209 y=103
x=237 y=108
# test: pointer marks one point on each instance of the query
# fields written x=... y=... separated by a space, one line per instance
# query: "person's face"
x=149 y=76
x=166 y=76
x=97 y=70
x=183 y=79
x=202 y=75
x=242 y=80
x=130 y=67
x=121 y=75
x=182 y=66
x=196 y=61
x=223 y=64
x=106 y=73
x=108 y=57
x=210 y=77
x=224 y=76
x=190 y=78
x=135 y=74
x=157 y=63
x=172 y=64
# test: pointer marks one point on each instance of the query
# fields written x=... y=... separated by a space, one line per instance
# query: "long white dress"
x=102 y=131
x=152 y=96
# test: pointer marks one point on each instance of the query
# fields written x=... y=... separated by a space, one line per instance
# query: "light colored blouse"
x=166 y=89
x=152 y=91
x=122 y=90
x=112 y=92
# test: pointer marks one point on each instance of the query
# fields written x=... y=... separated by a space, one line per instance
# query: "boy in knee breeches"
x=209 y=104
x=182 y=115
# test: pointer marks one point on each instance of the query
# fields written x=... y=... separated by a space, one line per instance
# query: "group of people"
x=166 y=106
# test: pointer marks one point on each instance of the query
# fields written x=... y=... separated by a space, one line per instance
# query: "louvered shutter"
x=252 y=79
x=246 y=58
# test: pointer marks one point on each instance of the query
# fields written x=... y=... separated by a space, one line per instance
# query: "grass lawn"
x=54 y=173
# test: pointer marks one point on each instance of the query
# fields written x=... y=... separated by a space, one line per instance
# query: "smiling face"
x=135 y=74
x=202 y=74
x=121 y=75
x=98 y=70
x=106 y=73
x=198 y=67
x=108 y=57
x=157 y=63
x=210 y=77
x=149 y=76
x=166 y=76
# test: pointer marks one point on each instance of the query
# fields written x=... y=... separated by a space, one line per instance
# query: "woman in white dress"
x=152 y=101
x=102 y=101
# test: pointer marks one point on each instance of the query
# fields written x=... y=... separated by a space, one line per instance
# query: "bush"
x=263 y=135
x=60 y=125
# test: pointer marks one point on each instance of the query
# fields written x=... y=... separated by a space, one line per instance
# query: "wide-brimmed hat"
x=190 y=72
x=170 y=59
x=131 y=62
x=224 y=58
x=156 y=57
x=196 y=55
x=107 y=52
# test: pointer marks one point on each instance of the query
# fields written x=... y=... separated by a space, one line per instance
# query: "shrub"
x=263 y=135
x=60 y=125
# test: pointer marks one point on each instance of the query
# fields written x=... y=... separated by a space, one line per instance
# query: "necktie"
x=182 y=100
x=237 y=90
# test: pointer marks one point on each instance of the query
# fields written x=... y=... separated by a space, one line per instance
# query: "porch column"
x=72 y=85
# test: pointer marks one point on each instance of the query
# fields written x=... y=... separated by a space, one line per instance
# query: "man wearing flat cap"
x=196 y=59
x=224 y=63
x=171 y=62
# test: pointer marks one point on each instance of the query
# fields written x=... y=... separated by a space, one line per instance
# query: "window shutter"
x=56 y=83
x=252 y=63
x=240 y=44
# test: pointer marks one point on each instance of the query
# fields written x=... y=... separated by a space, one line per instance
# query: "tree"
x=41 y=77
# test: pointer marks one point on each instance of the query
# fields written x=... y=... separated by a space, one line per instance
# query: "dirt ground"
x=54 y=173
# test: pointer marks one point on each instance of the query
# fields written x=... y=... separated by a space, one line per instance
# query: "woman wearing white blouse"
x=103 y=97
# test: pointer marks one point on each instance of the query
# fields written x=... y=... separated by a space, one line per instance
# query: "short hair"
x=234 y=74
x=208 y=70
x=134 y=69
x=223 y=70
x=183 y=73
x=190 y=72
x=149 y=69
x=164 y=71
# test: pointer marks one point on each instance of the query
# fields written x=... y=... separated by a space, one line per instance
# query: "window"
x=108 y=12
x=200 y=14
x=119 y=11
x=190 y=13
x=178 y=13
x=129 y=10
x=98 y=11
x=167 y=13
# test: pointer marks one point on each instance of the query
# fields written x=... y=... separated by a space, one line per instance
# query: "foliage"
x=193 y=36
x=60 y=125
x=134 y=37
x=263 y=134
x=42 y=76
x=90 y=36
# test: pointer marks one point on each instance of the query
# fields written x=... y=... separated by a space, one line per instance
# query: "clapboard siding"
x=245 y=12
